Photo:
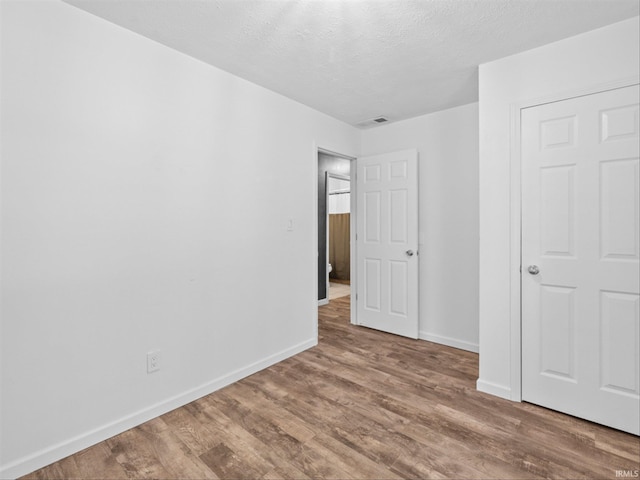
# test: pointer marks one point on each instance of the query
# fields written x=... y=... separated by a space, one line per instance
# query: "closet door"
x=580 y=257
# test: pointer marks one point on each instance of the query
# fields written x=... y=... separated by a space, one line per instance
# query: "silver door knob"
x=533 y=269
x=409 y=253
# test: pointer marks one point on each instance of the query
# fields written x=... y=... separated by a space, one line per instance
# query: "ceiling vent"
x=372 y=122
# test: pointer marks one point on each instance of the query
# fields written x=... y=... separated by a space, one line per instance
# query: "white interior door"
x=580 y=257
x=387 y=242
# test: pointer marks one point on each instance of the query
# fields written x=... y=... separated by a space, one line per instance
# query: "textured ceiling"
x=359 y=59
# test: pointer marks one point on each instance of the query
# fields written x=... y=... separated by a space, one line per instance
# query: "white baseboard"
x=324 y=301
x=68 y=447
x=493 y=389
x=448 y=341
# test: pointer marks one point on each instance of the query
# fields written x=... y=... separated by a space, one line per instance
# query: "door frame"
x=515 y=227
x=353 y=215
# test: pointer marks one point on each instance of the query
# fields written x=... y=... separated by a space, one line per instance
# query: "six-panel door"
x=581 y=229
x=387 y=242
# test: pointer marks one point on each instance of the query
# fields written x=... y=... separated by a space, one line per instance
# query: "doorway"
x=338 y=167
x=338 y=235
x=383 y=238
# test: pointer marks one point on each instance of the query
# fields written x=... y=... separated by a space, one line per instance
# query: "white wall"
x=577 y=65
x=118 y=157
x=447 y=143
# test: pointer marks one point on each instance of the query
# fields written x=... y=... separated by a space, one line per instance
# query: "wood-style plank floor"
x=363 y=405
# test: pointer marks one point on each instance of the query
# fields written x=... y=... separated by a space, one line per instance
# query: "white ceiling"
x=359 y=59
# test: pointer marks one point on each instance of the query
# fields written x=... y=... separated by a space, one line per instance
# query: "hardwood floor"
x=363 y=405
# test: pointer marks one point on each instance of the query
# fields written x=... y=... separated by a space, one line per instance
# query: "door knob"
x=533 y=269
x=409 y=253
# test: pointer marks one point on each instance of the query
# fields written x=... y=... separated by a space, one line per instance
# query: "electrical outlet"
x=153 y=361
